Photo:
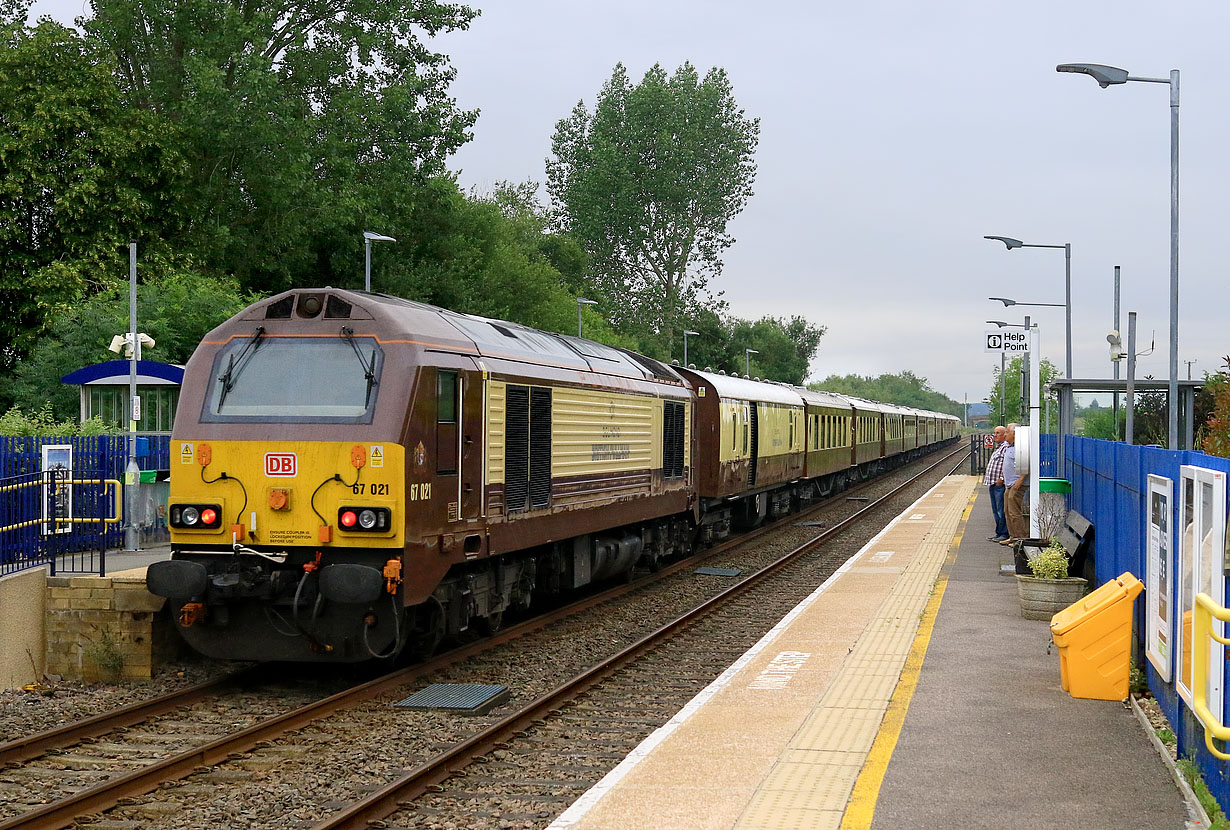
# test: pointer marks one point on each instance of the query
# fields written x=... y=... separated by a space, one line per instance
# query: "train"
x=355 y=475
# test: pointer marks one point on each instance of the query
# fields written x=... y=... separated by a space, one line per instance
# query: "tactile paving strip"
x=797 y=794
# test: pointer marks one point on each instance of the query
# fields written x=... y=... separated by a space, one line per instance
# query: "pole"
x=685 y=350
x=1115 y=363
x=1067 y=302
x=1128 y=416
x=578 y=318
x=132 y=472
x=1034 y=437
x=1174 y=260
x=367 y=265
x=1025 y=377
x=1003 y=406
x=966 y=409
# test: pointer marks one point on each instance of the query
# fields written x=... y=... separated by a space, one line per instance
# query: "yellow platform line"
x=862 y=805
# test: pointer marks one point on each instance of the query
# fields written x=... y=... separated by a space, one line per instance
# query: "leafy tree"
x=647 y=184
x=303 y=122
x=785 y=348
x=1047 y=372
x=1215 y=435
x=903 y=389
x=177 y=308
x=81 y=174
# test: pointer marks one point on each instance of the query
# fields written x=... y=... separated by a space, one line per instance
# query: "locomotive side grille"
x=751 y=466
x=672 y=440
x=540 y=447
x=516 y=448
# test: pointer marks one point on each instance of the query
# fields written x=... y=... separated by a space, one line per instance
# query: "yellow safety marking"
x=862 y=806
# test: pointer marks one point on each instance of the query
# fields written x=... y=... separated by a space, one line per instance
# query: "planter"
x=1021 y=557
x=1042 y=599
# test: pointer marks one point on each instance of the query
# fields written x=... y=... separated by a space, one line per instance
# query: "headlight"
x=196 y=516
x=357 y=519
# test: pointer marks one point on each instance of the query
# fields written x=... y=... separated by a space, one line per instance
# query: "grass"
x=1191 y=773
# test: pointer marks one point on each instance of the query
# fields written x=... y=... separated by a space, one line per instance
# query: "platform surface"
x=906 y=691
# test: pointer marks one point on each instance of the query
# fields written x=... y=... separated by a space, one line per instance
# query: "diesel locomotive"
x=355 y=474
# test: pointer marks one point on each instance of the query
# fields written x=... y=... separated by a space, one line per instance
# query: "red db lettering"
x=281 y=464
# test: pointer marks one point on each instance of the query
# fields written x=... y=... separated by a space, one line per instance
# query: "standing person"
x=994 y=480
x=1014 y=495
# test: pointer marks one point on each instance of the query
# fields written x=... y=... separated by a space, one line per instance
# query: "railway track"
x=111 y=771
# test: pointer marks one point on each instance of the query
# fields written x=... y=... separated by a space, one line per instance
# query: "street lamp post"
x=581 y=301
x=1011 y=243
x=1105 y=76
x=368 y=239
x=747 y=361
x=686 y=332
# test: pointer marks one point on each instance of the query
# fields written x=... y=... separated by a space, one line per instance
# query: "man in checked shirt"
x=994 y=480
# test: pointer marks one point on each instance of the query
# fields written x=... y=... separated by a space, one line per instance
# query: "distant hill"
x=979 y=410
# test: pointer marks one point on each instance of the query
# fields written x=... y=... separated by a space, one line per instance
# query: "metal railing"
x=59 y=519
x=1202 y=632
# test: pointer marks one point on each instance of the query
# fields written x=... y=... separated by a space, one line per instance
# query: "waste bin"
x=1094 y=636
x=1052 y=505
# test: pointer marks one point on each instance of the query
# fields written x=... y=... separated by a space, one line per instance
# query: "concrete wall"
x=22 y=611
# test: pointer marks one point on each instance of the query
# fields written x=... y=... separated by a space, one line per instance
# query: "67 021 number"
x=373 y=490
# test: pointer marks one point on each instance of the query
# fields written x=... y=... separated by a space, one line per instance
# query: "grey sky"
x=894 y=135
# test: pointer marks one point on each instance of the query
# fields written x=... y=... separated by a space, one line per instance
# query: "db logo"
x=281 y=464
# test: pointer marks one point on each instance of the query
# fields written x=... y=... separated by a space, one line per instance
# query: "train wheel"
x=428 y=629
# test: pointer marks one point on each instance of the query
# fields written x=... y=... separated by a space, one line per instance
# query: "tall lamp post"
x=686 y=332
x=747 y=361
x=1105 y=76
x=1011 y=243
x=368 y=239
x=581 y=301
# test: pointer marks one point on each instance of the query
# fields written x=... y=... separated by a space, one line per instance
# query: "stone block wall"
x=21 y=637
x=100 y=628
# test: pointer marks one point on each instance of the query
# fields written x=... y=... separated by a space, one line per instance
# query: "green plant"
x=1192 y=774
x=1138 y=684
x=106 y=653
x=1051 y=563
x=1166 y=736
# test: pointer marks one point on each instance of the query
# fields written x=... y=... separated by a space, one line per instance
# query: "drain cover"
x=707 y=571
x=463 y=698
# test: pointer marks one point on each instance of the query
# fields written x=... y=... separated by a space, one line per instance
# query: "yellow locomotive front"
x=288 y=494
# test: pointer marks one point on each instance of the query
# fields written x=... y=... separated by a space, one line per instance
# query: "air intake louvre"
x=516 y=448
x=672 y=440
x=540 y=447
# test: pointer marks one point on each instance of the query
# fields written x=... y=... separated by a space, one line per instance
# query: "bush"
x=42 y=422
x=1051 y=563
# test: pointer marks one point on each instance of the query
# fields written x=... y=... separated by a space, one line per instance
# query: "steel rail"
x=371 y=810
x=64 y=812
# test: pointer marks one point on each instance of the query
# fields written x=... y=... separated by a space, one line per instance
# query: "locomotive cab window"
x=447 y=450
x=295 y=380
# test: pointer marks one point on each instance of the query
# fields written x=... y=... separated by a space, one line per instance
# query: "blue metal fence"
x=1110 y=488
x=24 y=490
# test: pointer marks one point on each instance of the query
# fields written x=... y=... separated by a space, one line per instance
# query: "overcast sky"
x=894 y=135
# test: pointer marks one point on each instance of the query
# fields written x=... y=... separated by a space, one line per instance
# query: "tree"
x=1047 y=372
x=81 y=174
x=647 y=184
x=785 y=348
x=303 y=122
x=903 y=389
x=177 y=308
x=1215 y=434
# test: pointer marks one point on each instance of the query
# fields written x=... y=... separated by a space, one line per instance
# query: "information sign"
x=1008 y=342
x=1158 y=586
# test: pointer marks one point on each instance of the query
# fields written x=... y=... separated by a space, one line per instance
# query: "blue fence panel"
x=1109 y=487
x=94 y=456
x=1047 y=454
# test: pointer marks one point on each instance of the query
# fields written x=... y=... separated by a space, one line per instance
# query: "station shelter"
x=105 y=395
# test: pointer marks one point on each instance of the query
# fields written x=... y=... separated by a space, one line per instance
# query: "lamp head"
x=377 y=237
x=1008 y=241
x=1003 y=300
x=1104 y=75
x=690 y=332
x=583 y=301
x=998 y=323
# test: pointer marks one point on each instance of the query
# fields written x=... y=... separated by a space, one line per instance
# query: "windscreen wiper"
x=237 y=364
x=369 y=367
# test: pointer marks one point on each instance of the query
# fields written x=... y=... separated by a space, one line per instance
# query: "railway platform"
x=906 y=691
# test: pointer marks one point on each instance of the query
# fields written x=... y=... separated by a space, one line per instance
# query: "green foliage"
x=1100 y=423
x=302 y=123
x=81 y=175
x=43 y=422
x=1215 y=435
x=1047 y=372
x=647 y=184
x=1051 y=563
x=107 y=655
x=1191 y=773
x=177 y=308
x=904 y=389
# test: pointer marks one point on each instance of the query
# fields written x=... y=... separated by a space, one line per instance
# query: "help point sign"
x=1008 y=342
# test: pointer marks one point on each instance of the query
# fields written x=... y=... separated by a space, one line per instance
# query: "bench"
x=1076 y=536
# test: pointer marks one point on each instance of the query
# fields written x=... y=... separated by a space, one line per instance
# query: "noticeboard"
x=1159 y=616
